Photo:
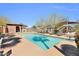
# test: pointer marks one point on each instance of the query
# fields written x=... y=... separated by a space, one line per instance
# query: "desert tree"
x=4 y=20
x=51 y=23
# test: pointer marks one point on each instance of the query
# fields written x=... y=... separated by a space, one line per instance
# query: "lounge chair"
x=1 y=41
x=2 y=35
x=68 y=50
x=1 y=53
x=9 y=42
x=8 y=53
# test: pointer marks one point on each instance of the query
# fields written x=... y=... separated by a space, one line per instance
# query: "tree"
x=51 y=23
x=4 y=21
x=34 y=27
x=77 y=27
x=41 y=25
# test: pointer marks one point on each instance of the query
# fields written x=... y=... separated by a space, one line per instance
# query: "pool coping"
x=50 y=35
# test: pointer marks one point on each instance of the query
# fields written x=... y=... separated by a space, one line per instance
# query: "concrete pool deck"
x=27 y=48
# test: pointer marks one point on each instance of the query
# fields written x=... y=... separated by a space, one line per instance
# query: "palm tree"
x=42 y=39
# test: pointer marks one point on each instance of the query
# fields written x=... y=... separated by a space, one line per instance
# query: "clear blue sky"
x=30 y=13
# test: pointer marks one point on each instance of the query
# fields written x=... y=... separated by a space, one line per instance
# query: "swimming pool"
x=44 y=42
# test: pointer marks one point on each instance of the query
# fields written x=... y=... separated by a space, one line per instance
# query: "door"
x=17 y=29
x=6 y=29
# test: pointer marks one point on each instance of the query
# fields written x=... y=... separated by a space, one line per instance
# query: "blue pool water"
x=44 y=42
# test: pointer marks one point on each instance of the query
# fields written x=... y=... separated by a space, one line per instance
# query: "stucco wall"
x=1 y=29
x=4 y=29
x=11 y=29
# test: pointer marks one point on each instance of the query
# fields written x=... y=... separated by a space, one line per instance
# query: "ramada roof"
x=17 y=25
x=73 y=22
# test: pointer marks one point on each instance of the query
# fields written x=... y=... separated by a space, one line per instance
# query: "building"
x=12 y=28
x=67 y=27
